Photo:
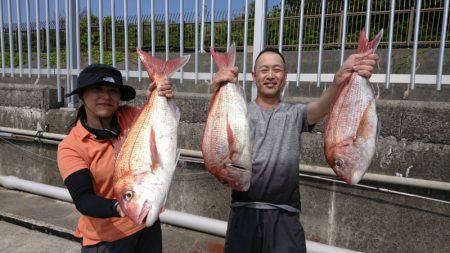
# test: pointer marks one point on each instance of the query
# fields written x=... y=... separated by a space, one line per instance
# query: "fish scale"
x=351 y=128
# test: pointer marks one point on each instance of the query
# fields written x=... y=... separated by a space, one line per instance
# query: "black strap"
x=86 y=201
x=265 y=206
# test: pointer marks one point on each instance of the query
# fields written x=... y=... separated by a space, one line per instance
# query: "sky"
x=174 y=7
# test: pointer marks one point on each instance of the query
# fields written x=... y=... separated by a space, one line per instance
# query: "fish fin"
x=212 y=100
x=153 y=150
x=180 y=165
x=227 y=59
x=378 y=129
x=364 y=118
x=365 y=45
x=155 y=66
x=177 y=113
x=173 y=65
x=231 y=141
x=118 y=143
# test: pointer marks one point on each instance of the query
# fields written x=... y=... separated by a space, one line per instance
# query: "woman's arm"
x=87 y=203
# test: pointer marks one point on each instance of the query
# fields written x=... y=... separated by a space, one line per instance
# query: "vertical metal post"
x=138 y=5
x=47 y=36
x=58 y=52
x=125 y=25
x=202 y=31
x=244 y=61
x=280 y=32
x=2 y=40
x=442 y=45
x=11 y=45
x=416 y=39
x=322 y=28
x=196 y=41
x=229 y=24
x=181 y=36
x=166 y=30
x=212 y=38
x=89 y=32
x=391 y=35
x=38 y=39
x=73 y=55
x=259 y=34
x=113 y=33
x=19 y=36
x=77 y=34
x=344 y=31
x=68 y=35
x=152 y=23
x=27 y=14
x=300 y=41
x=100 y=28
x=369 y=4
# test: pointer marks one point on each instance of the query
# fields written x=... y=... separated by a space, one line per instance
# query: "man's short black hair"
x=271 y=50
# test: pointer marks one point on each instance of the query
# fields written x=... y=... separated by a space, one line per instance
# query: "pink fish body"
x=350 y=132
x=226 y=144
x=147 y=158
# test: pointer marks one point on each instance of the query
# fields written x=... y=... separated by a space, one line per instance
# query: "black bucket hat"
x=102 y=74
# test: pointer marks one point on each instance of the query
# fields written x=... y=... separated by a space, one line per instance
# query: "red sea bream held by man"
x=350 y=132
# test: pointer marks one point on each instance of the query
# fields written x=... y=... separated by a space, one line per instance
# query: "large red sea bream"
x=226 y=144
x=350 y=132
x=147 y=159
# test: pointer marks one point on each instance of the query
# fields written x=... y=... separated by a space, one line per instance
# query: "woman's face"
x=101 y=101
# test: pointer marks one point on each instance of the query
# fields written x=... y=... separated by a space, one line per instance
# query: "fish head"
x=133 y=198
x=348 y=163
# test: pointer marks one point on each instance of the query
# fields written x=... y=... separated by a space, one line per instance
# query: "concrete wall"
x=415 y=139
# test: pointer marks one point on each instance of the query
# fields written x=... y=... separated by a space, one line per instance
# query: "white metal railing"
x=71 y=22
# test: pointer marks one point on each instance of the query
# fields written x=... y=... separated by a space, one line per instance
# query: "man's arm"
x=361 y=63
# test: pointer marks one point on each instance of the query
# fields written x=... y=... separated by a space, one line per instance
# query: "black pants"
x=146 y=240
x=264 y=231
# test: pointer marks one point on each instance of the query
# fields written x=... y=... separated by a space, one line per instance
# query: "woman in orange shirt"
x=86 y=163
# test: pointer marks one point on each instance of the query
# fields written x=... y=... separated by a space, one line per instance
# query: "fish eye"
x=128 y=195
x=338 y=162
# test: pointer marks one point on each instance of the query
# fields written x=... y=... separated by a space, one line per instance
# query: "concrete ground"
x=14 y=238
x=31 y=223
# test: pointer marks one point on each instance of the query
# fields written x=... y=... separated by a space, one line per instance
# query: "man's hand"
x=362 y=63
x=164 y=90
x=224 y=76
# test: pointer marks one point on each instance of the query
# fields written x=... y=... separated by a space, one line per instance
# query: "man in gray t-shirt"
x=266 y=217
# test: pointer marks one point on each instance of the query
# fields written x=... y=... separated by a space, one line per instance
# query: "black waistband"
x=265 y=206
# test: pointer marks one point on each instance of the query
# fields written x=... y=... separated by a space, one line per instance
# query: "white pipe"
x=421 y=183
x=33 y=133
x=429 y=184
x=171 y=217
x=186 y=220
x=12 y=182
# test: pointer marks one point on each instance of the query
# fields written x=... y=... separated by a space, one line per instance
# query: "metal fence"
x=57 y=47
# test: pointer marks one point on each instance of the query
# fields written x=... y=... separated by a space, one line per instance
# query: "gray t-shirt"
x=276 y=135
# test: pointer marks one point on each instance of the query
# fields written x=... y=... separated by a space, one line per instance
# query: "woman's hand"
x=119 y=210
x=224 y=76
x=362 y=63
x=164 y=90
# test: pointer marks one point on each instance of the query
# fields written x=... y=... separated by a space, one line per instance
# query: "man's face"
x=269 y=75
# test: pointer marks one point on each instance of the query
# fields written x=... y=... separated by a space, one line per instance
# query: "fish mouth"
x=144 y=213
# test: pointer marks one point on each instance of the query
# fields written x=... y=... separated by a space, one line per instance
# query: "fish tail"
x=365 y=45
x=227 y=59
x=158 y=67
